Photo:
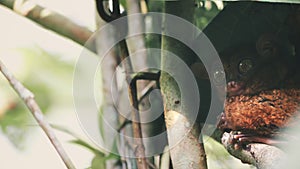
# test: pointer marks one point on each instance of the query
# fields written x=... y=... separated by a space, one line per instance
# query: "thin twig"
x=137 y=132
x=144 y=93
x=151 y=165
x=34 y=108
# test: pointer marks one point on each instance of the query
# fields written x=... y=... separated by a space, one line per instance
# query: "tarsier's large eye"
x=245 y=66
x=219 y=76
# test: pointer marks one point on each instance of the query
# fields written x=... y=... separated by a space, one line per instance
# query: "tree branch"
x=34 y=108
x=183 y=132
x=50 y=20
x=109 y=112
x=260 y=155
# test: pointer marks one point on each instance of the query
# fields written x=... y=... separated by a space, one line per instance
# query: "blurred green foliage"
x=46 y=76
x=99 y=160
x=206 y=11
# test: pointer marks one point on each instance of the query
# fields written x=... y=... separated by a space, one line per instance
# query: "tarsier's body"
x=263 y=90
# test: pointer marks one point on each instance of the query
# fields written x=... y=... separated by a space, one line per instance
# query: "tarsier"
x=263 y=91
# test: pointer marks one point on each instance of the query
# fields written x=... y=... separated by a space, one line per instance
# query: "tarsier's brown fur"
x=265 y=99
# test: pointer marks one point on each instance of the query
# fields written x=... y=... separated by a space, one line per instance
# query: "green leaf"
x=101 y=122
x=88 y=146
x=79 y=140
x=124 y=4
x=98 y=162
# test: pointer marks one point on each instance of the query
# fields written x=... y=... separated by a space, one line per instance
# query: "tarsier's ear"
x=199 y=70
x=267 y=45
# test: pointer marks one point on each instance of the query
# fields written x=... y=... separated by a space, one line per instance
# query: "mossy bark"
x=183 y=134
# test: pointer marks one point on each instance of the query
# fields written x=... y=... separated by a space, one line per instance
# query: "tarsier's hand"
x=260 y=117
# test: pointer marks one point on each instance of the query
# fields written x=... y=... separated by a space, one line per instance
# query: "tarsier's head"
x=251 y=68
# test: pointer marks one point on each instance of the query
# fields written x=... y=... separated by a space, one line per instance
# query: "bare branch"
x=109 y=89
x=260 y=155
x=136 y=44
x=183 y=131
x=34 y=108
x=132 y=91
x=49 y=19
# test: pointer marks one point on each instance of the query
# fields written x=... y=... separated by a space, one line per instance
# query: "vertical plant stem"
x=137 y=133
